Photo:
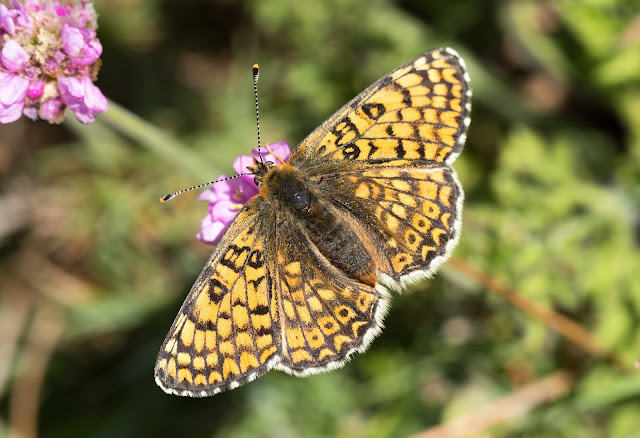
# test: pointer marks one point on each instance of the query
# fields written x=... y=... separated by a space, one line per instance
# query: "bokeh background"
x=533 y=330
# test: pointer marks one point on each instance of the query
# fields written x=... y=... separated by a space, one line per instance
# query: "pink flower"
x=53 y=65
x=50 y=109
x=13 y=91
x=226 y=198
x=21 y=16
x=80 y=44
x=13 y=57
x=82 y=97
x=53 y=45
x=6 y=21
x=36 y=88
x=62 y=11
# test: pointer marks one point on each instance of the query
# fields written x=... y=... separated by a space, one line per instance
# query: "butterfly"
x=367 y=204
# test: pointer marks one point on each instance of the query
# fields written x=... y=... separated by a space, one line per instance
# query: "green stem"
x=156 y=140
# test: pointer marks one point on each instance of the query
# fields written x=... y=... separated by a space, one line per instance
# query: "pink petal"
x=281 y=149
x=248 y=187
x=242 y=163
x=13 y=90
x=238 y=190
x=211 y=232
x=6 y=20
x=34 y=5
x=224 y=211
x=21 y=16
x=61 y=11
x=245 y=188
x=80 y=44
x=30 y=111
x=211 y=194
x=95 y=100
x=14 y=58
x=82 y=97
x=50 y=109
x=11 y=113
x=219 y=216
x=35 y=89
x=53 y=62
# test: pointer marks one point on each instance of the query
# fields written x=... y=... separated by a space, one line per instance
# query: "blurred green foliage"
x=551 y=171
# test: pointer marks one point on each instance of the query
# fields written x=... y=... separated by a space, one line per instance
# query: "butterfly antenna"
x=170 y=196
x=256 y=75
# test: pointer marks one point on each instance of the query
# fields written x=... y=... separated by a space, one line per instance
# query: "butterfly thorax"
x=299 y=202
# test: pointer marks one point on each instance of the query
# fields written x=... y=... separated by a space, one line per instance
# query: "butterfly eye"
x=260 y=170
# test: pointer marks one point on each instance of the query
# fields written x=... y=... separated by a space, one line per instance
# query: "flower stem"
x=156 y=140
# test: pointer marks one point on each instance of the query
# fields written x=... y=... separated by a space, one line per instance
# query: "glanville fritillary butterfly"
x=367 y=204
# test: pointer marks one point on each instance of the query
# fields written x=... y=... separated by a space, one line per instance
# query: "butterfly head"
x=260 y=170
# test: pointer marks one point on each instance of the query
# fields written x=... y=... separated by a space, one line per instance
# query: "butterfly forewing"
x=417 y=113
x=222 y=336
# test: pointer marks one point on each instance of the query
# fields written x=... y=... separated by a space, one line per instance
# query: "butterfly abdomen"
x=334 y=238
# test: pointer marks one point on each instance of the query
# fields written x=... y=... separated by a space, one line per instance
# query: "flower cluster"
x=49 y=58
x=226 y=198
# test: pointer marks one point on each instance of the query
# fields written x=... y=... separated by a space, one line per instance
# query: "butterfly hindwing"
x=412 y=216
x=324 y=315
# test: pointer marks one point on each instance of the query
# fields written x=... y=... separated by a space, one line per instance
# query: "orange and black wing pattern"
x=223 y=334
x=265 y=300
x=324 y=315
x=385 y=159
x=411 y=217
x=416 y=115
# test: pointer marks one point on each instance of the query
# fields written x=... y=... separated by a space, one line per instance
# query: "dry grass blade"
x=45 y=331
x=518 y=403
